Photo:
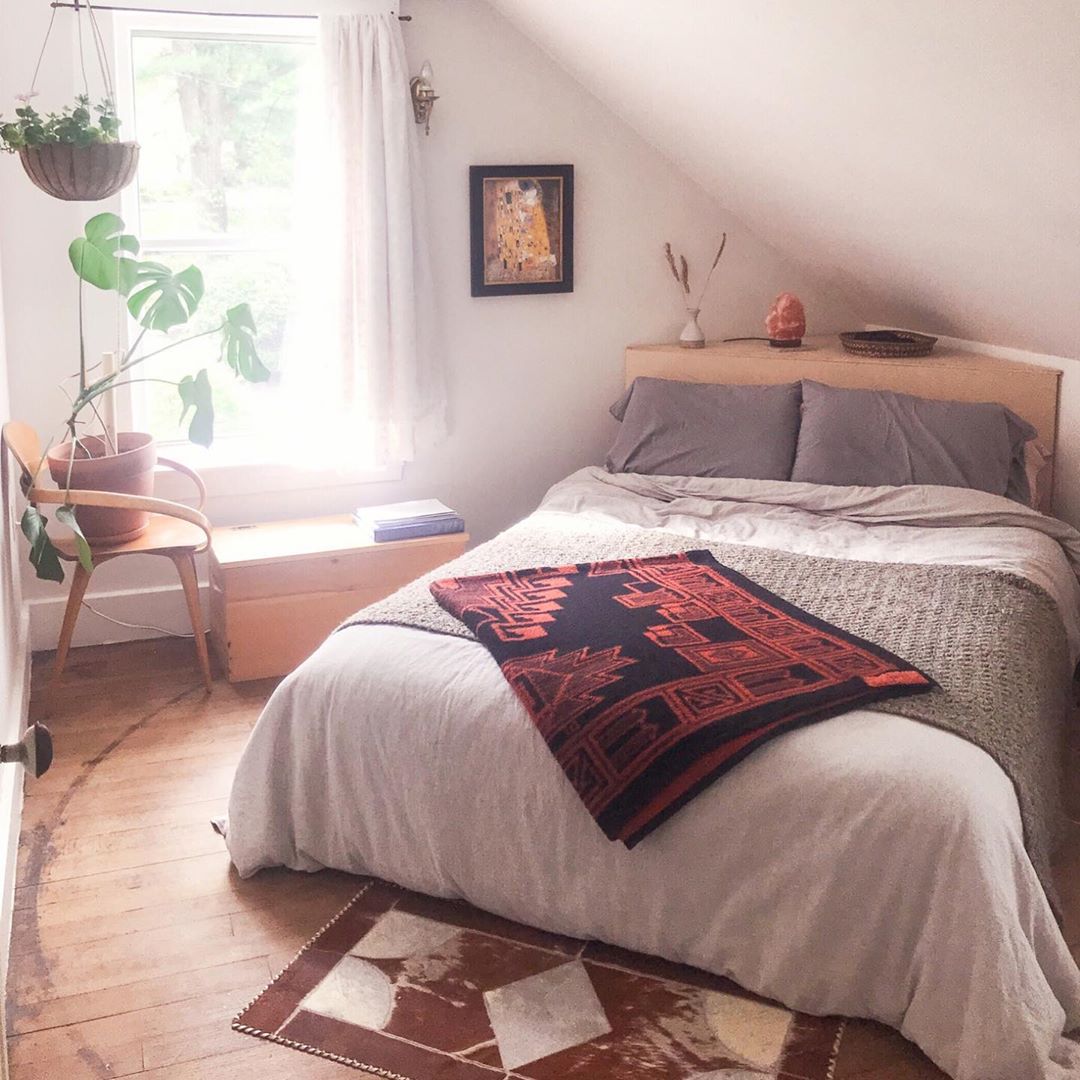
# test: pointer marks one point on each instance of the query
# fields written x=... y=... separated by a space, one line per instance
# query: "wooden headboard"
x=946 y=375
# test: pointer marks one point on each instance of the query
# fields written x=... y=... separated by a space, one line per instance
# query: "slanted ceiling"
x=923 y=158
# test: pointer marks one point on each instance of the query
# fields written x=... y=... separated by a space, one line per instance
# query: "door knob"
x=34 y=751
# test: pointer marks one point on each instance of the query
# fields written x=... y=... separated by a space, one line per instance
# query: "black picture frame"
x=553 y=185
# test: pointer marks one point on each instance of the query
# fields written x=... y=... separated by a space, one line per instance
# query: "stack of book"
x=408 y=520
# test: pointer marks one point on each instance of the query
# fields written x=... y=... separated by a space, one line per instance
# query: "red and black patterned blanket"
x=650 y=677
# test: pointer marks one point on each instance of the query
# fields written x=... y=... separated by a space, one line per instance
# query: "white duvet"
x=867 y=865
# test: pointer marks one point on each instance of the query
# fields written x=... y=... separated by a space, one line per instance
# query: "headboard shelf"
x=1030 y=390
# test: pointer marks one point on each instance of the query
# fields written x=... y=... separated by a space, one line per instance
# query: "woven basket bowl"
x=81 y=173
x=888 y=343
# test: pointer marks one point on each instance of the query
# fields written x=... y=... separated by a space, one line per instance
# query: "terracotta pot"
x=131 y=471
x=81 y=173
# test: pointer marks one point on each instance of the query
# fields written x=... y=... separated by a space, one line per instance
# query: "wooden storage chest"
x=278 y=589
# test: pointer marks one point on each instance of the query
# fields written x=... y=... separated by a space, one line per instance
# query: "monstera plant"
x=160 y=301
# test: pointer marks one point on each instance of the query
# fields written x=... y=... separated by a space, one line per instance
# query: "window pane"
x=217 y=123
x=256 y=277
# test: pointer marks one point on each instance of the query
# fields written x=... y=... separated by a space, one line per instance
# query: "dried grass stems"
x=681 y=272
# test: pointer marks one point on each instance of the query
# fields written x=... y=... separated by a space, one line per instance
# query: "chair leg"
x=185 y=567
x=79 y=580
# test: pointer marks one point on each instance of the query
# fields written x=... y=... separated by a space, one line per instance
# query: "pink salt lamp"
x=786 y=322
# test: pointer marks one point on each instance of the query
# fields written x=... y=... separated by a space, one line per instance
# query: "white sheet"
x=867 y=865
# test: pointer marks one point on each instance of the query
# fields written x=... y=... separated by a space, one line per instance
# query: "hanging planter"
x=75 y=154
x=81 y=173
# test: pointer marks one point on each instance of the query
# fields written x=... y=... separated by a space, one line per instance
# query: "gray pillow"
x=879 y=437
x=674 y=428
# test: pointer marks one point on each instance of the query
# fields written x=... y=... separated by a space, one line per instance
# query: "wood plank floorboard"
x=134 y=940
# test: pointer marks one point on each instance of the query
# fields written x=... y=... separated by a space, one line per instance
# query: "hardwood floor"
x=134 y=941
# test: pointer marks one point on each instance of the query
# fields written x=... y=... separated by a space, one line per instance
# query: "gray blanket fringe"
x=992 y=640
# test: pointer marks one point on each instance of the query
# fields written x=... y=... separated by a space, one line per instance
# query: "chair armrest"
x=191 y=474
x=120 y=501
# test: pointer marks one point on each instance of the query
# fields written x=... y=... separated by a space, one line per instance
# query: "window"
x=215 y=105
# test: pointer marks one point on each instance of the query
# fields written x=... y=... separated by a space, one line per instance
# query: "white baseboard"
x=160 y=606
x=11 y=801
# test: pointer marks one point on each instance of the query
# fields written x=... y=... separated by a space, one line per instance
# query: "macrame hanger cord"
x=41 y=56
x=82 y=52
x=102 y=53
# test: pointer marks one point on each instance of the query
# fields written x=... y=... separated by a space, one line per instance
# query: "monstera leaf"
x=66 y=516
x=238 y=345
x=160 y=299
x=196 y=393
x=43 y=556
x=105 y=255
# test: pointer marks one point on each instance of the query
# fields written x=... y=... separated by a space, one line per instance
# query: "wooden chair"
x=176 y=531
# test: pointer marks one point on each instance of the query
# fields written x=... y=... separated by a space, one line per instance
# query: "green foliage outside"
x=217 y=123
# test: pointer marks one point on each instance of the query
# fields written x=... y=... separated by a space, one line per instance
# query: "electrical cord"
x=135 y=626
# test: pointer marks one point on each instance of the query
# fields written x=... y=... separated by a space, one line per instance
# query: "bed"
x=868 y=865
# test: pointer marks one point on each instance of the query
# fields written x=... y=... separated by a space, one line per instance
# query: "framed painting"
x=521 y=229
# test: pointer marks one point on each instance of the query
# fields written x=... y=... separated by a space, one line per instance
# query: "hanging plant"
x=75 y=154
x=75 y=125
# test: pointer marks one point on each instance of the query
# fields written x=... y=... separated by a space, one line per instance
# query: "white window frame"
x=233 y=465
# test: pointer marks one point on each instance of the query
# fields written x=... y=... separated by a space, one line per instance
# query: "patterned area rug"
x=412 y=988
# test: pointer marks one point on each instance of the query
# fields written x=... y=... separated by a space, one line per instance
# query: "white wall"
x=924 y=155
x=530 y=376
x=14 y=672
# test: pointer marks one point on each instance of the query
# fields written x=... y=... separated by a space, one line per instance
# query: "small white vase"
x=692 y=336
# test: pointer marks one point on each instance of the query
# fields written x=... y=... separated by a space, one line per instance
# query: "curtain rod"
x=77 y=6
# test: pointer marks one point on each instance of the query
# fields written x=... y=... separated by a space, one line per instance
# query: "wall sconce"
x=423 y=96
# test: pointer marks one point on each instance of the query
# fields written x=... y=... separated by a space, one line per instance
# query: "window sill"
x=234 y=467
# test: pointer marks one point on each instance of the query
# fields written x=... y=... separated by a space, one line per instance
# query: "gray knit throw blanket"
x=993 y=641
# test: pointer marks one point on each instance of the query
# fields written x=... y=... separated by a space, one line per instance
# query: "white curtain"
x=363 y=376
